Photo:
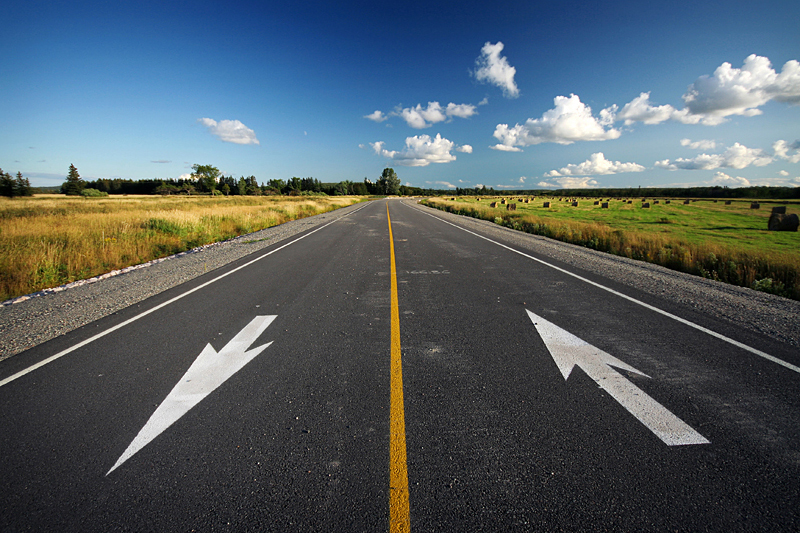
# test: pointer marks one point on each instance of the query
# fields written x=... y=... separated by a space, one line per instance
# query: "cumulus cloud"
x=420 y=151
x=734 y=91
x=596 y=164
x=729 y=91
x=640 y=110
x=494 y=68
x=789 y=152
x=231 y=131
x=424 y=117
x=737 y=156
x=569 y=121
x=466 y=148
x=377 y=116
x=569 y=183
x=699 y=145
x=720 y=178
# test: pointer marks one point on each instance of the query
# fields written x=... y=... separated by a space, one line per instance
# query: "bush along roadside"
x=766 y=274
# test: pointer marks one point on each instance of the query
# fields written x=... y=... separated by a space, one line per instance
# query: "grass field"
x=50 y=240
x=729 y=243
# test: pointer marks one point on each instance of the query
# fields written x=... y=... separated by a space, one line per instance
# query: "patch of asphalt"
x=33 y=319
x=767 y=314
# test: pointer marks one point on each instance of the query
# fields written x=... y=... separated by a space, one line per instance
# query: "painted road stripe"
x=698 y=327
x=210 y=370
x=569 y=351
x=160 y=306
x=399 y=507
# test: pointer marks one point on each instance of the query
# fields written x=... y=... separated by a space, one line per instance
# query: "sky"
x=510 y=95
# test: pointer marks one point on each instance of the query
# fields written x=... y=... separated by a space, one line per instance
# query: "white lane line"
x=698 y=327
x=162 y=305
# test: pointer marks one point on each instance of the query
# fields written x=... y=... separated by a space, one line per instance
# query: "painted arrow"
x=569 y=351
x=209 y=371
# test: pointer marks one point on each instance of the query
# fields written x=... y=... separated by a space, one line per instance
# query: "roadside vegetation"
x=47 y=241
x=708 y=238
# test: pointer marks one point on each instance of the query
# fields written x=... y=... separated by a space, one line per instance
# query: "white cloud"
x=737 y=156
x=445 y=183
x=729 y=91
x=466 y=148
x=504 y=147
x=783 y=151
x=377 y=116
x=733 y=91
x=569 y=121
x=424 y=117
x=596 y=164
x=720 y=178
x=640 y=110
x=699 y=145
x=231 y=131
x=522 y=179
x=460 y=110
x=783 y=173
x=569 y=183
x=420 y=151
x=494 y=68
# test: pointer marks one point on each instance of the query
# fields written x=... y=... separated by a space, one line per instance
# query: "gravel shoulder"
x=42 y=317
x=37 y=319
x=767 y=314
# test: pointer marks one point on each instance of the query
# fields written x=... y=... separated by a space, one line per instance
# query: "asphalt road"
x=259 y=397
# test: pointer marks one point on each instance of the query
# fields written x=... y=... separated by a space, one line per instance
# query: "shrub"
x=93 y=193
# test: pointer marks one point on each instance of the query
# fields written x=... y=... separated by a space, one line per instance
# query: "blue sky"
x=507 y=95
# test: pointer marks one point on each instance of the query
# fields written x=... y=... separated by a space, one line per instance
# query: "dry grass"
x=49 y=240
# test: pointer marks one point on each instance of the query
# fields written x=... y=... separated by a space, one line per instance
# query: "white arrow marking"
x=568 y=351
x=209 y=371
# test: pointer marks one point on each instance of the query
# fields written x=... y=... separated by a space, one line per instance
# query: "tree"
x=389 y=183
x=22 y=186
x=6 y=184
x=74 y=184
x=241 y=186
x=206 y=176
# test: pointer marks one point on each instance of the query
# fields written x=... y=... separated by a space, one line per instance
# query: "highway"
x=394 y=371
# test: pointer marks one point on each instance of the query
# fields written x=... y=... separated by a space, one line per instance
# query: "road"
x=392 y=370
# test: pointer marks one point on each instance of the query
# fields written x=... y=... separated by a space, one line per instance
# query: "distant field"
x=730 y=243
x=49 y=240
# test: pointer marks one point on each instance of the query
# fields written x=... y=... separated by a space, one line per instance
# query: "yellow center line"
x=399 y=515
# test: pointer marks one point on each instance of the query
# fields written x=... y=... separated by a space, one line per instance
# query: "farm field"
x=729 y=243
x=50 y=240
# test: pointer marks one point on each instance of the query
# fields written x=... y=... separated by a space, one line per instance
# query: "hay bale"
x=604 y=205
x=646 y=205
x=782 y=222
x=511 y=207
x=781 y=209
x=546 y=204
x=755 y=205
x=493 y=204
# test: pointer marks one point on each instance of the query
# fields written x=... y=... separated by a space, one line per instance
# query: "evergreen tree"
x=6 y=184
x=22 y=186
x=74 y=184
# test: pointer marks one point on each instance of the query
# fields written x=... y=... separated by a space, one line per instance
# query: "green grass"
x=730 y=243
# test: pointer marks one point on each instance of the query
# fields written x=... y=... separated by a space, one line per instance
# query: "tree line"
x=207 y=179
x=11 y=187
